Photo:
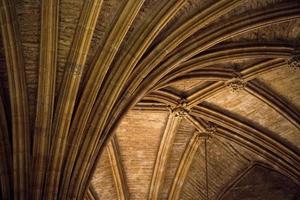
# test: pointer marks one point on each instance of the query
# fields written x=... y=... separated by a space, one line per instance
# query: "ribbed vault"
x=148 y=99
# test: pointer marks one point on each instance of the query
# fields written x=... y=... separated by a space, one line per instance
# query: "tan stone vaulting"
x=150 y=99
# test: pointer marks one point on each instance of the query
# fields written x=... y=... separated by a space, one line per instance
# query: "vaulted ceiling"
x=150 y=99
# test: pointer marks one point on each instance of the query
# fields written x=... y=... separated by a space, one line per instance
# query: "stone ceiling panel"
x=139 y=135
x=225 y=161
x=184 y=86
x=286 y=83
x=253 y=110
x=29 y=20
x=261 y=183
x=102 y=180
x=287 y=32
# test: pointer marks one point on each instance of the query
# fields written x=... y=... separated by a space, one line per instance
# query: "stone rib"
x=68 y=92
x=117 y=169
x=162 y=155
x=46 y=93
x=18 y=99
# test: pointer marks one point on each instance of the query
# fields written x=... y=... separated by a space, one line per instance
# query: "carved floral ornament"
x=181 y=109
x=209 y=131
x=294 y=62
x=236 y=85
